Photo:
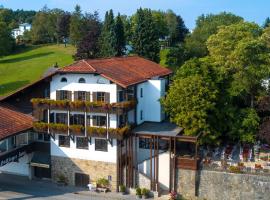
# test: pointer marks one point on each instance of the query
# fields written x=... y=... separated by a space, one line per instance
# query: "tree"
x=108 y=36
x=120 y=36
x=88 y=46
x=76 y=26
x=6 y=40
x=243 y=59
x=206 y=26
x=176 y=57
x=62 y=27
x=145 y=38
x=266 y=22
x=177 y=28
x=191 y=99
x=159 y=18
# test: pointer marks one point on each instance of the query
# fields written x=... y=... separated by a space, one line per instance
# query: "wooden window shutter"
x=58 y=95
x=94 y=120
x=76 y=95
x=87 y=96
x=107 y=97
x=69 y=95
x=94 y=96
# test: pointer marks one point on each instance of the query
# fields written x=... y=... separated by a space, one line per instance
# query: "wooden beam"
x=151 y=179
x=154 y=178
x=170 y=171
x=174 y=163
x=118 y=166
x=157 y=165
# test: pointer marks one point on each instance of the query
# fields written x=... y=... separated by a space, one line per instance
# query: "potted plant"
x=172 y=195
x=122 y=189
x=145 y=193
x=62 y=180
x=138 y=193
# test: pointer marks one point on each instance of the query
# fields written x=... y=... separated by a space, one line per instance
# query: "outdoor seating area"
x=237 y=158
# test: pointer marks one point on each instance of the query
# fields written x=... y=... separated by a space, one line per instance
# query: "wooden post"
x=121 y=162
x=154 y=180
x=126 y=161
x=151 y=179
x=157 y=164
x=170 y=173
x=118 y=167
x=174 y=163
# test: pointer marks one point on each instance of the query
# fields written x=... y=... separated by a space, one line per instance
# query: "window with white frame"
x=64 y=141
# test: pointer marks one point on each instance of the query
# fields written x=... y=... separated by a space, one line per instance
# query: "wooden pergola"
x=155 y=133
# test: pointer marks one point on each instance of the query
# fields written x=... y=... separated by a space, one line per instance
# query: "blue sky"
x=251 y=10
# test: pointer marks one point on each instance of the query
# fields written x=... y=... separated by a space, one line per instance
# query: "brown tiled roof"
x=12 y=122
x=124 y=71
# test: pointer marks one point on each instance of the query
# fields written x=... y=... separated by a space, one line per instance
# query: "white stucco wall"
x=164 y=169
x=93 y=84
x=153 y=90
x=18 y=168
x=89 y=154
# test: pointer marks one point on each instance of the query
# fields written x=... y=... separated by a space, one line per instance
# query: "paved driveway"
x=20 y=188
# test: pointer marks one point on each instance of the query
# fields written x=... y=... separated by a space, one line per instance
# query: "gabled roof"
x=124 y=71
x=13 y=122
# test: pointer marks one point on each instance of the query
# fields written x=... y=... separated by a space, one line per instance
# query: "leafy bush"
x=122 y=188
x=138 y=191
x=145 y=192
x=235 y=169
x=102 y=182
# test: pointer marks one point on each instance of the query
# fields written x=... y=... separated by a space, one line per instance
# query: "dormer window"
x=81 y=80
x=64 y=80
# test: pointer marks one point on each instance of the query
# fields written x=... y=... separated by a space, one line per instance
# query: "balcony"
x=79 y=130
x=84 y=106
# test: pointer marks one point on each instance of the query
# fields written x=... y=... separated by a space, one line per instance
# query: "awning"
x=41 y=159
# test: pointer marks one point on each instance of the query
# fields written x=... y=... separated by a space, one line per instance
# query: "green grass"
x=30 y=63
x=163 y=53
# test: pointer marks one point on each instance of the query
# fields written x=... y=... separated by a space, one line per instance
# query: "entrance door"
x=42 y=172
x=81 y=180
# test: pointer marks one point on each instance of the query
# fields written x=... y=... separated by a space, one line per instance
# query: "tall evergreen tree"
x=76 y=26
x=6 y=40
x=145 y=38
x=266 y=23
x=120 y=36
x=108 y=36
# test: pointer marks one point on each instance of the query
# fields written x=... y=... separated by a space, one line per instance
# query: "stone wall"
x=143 y=181
x=185 y=182
x=95 y=169
x=213 y=185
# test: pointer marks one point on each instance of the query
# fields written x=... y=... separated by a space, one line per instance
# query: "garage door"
x=81 y=180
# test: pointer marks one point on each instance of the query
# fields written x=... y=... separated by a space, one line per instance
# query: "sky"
x=251 y=10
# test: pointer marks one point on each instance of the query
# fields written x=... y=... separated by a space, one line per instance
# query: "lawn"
x=30 y=63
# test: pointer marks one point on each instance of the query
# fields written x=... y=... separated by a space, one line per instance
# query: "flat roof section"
x=164 y=130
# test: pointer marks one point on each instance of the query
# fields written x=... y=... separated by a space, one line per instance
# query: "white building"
x=104 y=120
x=22 y=28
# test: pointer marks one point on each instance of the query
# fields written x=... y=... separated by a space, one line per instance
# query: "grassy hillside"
x=30 y=64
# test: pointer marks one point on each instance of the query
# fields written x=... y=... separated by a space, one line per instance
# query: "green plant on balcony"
x=58 y=128
x=76 y=129
x=40 y=126
x=94 y=131
x=77 y=104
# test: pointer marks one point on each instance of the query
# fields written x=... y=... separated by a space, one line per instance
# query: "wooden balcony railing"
x=79 y=130
x=94 y=107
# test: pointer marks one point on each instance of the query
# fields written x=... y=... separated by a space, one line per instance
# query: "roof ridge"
x=89 y=65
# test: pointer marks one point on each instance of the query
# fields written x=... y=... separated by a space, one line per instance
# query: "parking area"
x=21 y=188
